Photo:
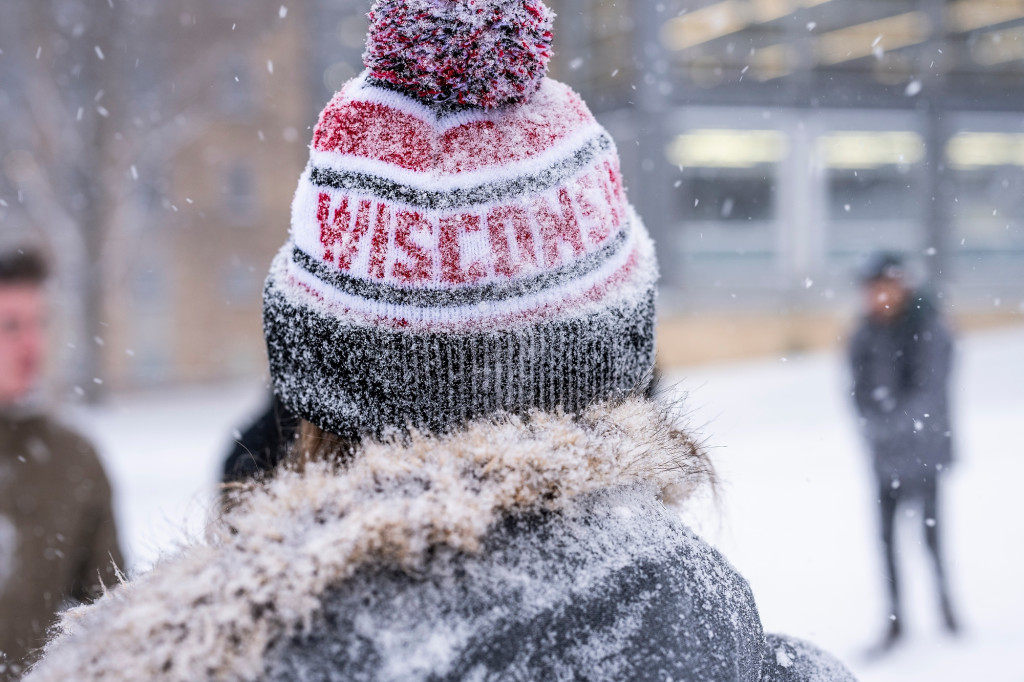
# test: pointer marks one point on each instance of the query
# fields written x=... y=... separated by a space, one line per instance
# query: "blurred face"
x=885 y=298
x=22 y=339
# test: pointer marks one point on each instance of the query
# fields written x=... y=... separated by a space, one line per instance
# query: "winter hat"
x=460 y=244
x=883 y=265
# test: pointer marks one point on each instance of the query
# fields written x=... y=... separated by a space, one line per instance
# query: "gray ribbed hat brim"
x=357 y=380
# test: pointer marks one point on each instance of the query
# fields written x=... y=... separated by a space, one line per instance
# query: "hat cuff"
x=357 y=380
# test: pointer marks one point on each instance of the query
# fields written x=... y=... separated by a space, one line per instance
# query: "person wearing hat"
x=463 y=317
x=900 y=356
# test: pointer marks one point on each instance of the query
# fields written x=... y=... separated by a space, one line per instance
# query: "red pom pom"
x=460 y=53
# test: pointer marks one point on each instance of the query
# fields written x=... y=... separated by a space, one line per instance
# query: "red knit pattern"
x=379 y=132
x=463 y=53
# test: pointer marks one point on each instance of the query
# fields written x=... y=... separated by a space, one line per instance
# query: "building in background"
x=228 y=128
x=154 y=147
x=769 y=145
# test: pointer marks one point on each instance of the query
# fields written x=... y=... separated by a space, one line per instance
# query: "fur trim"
x=211 y=612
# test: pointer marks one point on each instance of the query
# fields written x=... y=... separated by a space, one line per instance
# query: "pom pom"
x=460 y=53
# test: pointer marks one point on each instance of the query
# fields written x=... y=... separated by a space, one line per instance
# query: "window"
x=240 y=283
x=987 y=169
x=236 y=90
x=726 y=196
x=240 y=201
x=874 y=190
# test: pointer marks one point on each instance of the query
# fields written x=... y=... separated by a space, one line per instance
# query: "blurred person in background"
x=900 y=355
x=58 y=541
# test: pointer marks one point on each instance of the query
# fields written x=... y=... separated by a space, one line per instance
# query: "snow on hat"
x=461 y=244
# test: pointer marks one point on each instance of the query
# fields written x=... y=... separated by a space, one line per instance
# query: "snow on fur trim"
x=211 y=612
x=463 y=53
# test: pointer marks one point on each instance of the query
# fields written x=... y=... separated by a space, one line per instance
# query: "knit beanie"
x=460 y=244
x=883 y=265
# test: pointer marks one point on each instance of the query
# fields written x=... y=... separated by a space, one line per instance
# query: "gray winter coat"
x=901 y=390
x=510 y=551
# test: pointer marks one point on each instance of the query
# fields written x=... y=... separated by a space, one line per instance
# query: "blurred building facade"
x=777 y=141
x=769 y=145
x=185 y=301
x=189 y=119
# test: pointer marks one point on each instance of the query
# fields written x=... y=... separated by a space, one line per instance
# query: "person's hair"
x=313 y=444
x=23 y=266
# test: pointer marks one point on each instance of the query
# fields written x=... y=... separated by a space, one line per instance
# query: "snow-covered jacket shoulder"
x=512 y=550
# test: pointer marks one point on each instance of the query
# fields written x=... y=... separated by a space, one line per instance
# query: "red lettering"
x=499 y=220
x=340 y=240
x=596 y=220
x=611 y=183
x=323 y=214
x=379 y=244
x=421 y=266
x=524 y=235
x=557 y=226
x=331 y=233
x=616 y=177
x=451 y=249
x=350 y=244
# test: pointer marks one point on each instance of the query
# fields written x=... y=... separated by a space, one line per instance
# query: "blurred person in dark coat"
x=900 y=356
x=58 y=541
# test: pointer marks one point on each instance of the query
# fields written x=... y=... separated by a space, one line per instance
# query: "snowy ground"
x=795 y=515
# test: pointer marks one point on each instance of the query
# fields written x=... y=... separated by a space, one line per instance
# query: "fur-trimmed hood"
x=212 y=611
